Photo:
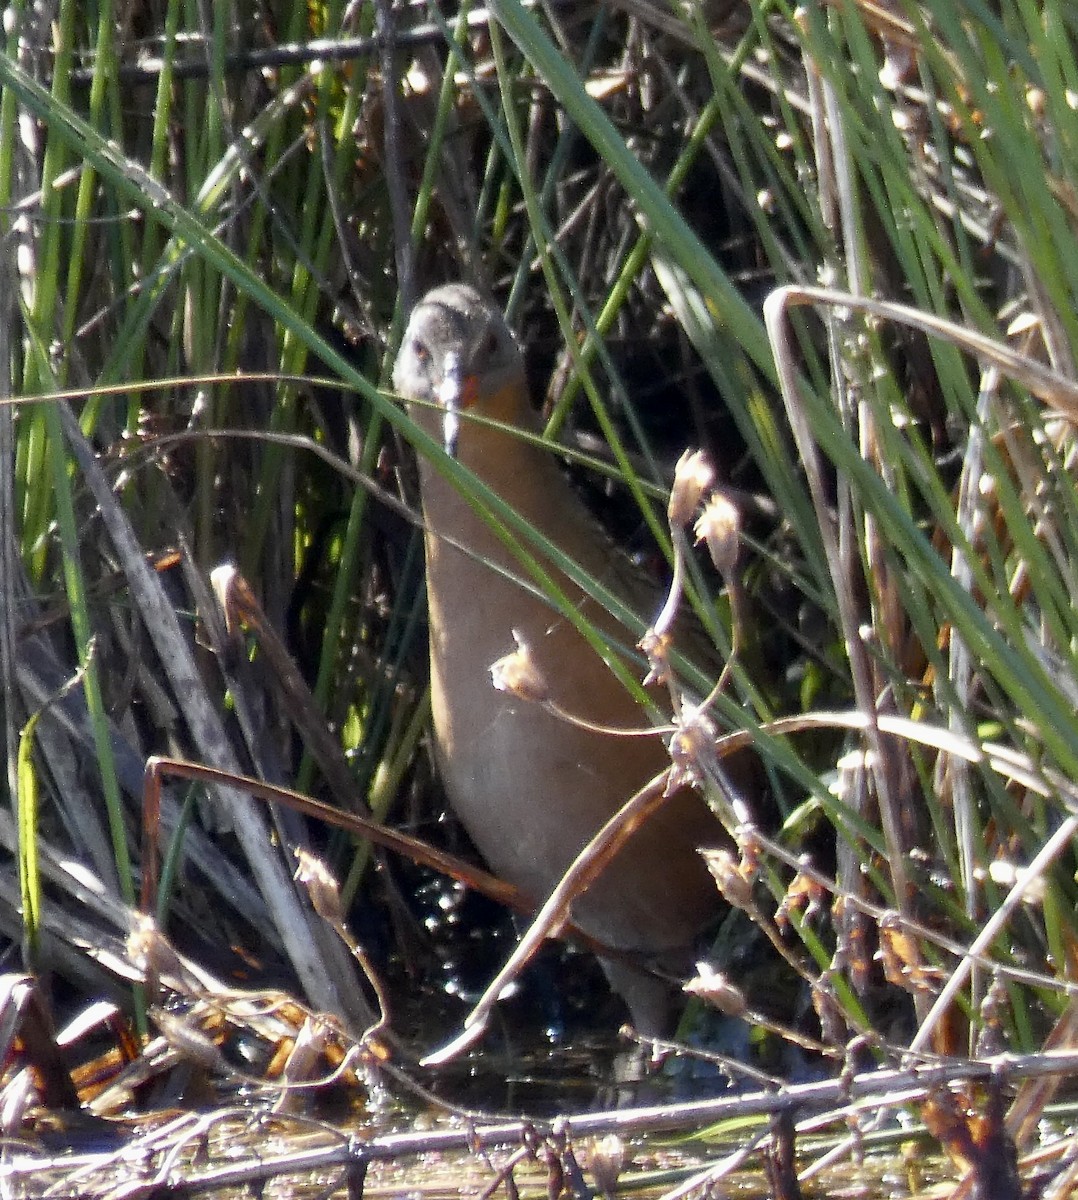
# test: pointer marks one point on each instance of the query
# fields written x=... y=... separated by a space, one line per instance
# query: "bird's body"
x=531 y=788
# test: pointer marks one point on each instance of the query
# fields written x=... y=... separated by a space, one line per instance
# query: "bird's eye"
x=422 y=354
x=488 y=347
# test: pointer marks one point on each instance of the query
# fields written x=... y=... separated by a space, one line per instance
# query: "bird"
x=529 y=787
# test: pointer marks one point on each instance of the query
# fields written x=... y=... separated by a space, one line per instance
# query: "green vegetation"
x=198 y=306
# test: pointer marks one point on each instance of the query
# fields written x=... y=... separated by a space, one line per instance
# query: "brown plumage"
x=530 y=788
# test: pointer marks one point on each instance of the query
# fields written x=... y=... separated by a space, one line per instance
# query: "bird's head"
x=458 y=355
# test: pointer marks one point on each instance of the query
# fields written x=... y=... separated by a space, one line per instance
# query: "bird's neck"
x=523 y=474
